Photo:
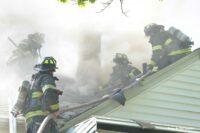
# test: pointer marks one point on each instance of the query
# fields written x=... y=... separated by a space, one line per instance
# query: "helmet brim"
x=39 y=67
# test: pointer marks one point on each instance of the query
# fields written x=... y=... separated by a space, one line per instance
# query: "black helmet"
x=121 y=58
x=37 y=37
x=47 y=64
x=152 y=28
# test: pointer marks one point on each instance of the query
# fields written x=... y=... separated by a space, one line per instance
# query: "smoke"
x=84 y=42
x=89 y=67
x=125 y=40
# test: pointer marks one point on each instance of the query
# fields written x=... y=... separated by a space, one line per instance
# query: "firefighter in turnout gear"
x=43 y=97
x=27 y=47
x=168 y=46
x=123 y=71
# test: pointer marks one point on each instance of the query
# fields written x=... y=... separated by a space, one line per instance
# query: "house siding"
x=175 y=99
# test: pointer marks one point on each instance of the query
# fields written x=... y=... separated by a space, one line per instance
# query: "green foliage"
x=81 y=3
x=64 y=1
x=92 y=1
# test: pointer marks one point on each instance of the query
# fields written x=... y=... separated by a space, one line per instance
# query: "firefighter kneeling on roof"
x=41 y=97
x=168 y=46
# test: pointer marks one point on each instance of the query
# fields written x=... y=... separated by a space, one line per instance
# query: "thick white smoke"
x=89 y=65
x=69 y=29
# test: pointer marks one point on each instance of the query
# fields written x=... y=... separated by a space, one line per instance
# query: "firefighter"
x=29 y=47
x=43 y=97
x=33 y=43
x=168 y=46
x=123 y=71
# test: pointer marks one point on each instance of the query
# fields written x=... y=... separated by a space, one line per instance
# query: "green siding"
x=170 y=96
x=175 y=99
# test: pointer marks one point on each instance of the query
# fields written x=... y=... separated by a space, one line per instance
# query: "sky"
x=85 y=41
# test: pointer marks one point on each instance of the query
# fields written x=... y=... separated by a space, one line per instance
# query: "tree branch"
x=108 y=3
x=125 y=13
x=105 y=5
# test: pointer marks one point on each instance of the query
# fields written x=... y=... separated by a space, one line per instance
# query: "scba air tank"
x=21 y=99
x=179 y=34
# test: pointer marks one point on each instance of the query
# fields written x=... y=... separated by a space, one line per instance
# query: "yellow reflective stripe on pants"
x=168 y=41
x=36 y=113
x=181 y=51
x=49 y=86
x=37 y=94
x=54 y=106
x=157 y=47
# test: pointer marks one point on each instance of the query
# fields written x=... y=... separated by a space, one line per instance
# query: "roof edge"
x=109 y=104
